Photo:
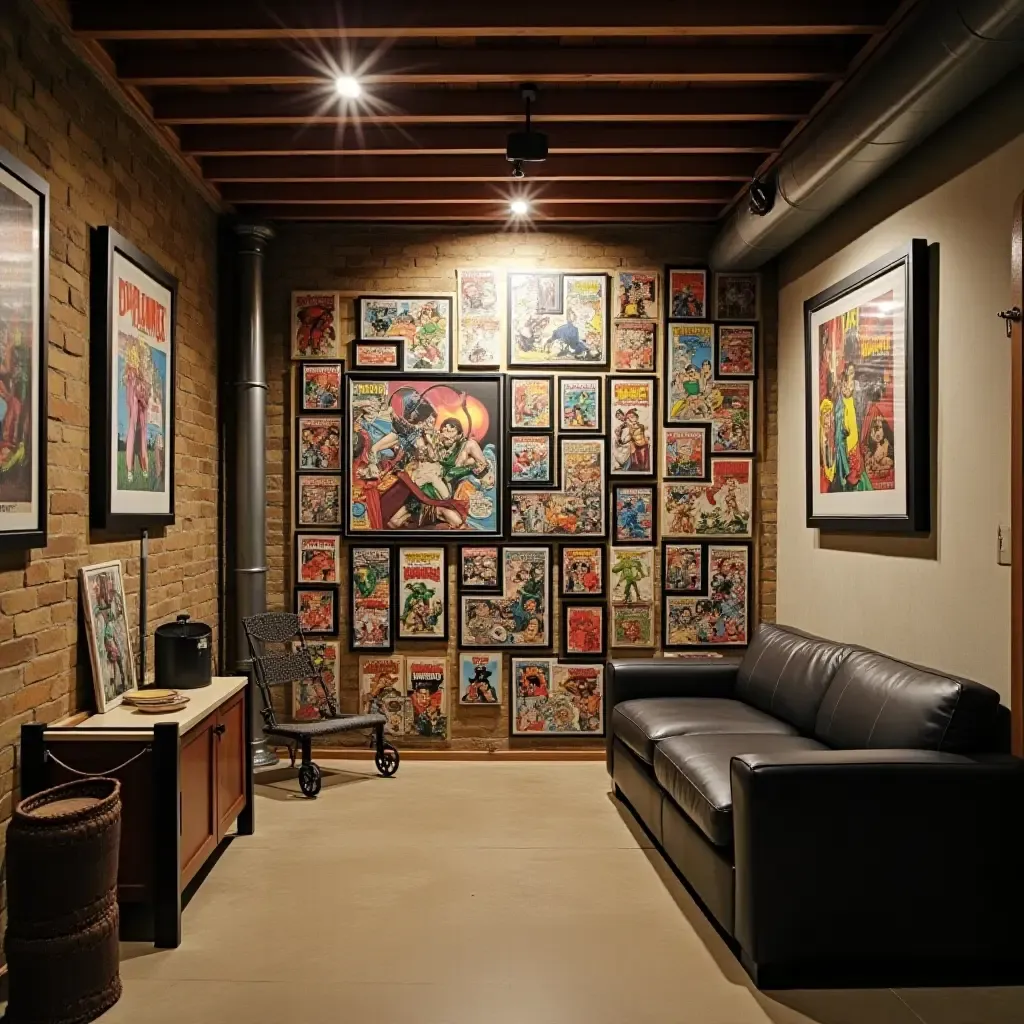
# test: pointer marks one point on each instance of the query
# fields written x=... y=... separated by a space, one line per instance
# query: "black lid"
x=184 y=629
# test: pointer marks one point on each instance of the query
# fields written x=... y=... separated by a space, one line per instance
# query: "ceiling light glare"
x=348 y=87
x=520 y=207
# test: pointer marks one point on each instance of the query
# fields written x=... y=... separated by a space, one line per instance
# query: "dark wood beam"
x=160 y=64
x=326 y=19
x=738 y=167
x=216 y=140
x=487 y=106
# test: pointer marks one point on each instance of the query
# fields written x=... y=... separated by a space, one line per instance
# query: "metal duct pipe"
x=945 y=55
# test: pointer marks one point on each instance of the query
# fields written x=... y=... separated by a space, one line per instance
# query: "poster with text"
x=426 y=684
x=481 y=678
x=558 y=319
x=382 y=690
x=631 y=412
x=315 y=329
x=422 y=594
x=422 y=323
x=481 y=318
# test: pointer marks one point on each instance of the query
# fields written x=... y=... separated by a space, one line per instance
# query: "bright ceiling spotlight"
x=520 y=207
x=348 y=87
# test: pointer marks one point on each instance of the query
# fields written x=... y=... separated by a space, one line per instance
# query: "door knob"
x=1011 y=317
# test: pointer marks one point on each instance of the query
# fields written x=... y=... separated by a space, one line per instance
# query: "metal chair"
x=277 y=669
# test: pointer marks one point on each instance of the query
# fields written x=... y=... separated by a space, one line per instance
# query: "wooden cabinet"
x=230 y=757
x=198 y=801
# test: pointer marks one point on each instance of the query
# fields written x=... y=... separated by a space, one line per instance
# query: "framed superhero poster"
x=371 y=597
x=552 y=699
x=422 y=593
x=421 y=324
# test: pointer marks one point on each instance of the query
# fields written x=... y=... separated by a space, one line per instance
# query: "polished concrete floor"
x=467 y=892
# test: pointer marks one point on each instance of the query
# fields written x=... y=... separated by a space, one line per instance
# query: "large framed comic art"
x=721 y=617
x=422 y=603
x=132 y=386
x=107 y=633
x=867 y=392
x=424 y=455
x=371 y=619
x=421 y=323
x=554 y=699
x=24 y=320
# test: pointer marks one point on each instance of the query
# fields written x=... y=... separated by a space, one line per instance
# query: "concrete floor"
x=467 y=892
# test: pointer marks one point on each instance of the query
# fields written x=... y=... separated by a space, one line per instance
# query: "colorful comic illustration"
x=317 y=610
x=689 y=369
x=685 y=453
x=425 y=455
x=321 y=387
x=631 y=412
x=530 y=459
x=687 y=294
x=422 y=323
x=376 y=355
x=636 y=295
x=578 y=508
x=531 y=403
x=737 y=350
x=732 y=421
x=720 y=619
x=579 y=403
x=319 y=500
x=634 y=346
x=632 y=575
x=426 y=684
x=382 y=690
x=633 y=625
x=736 y=297
x=479 y=567
x=721 y=508
x=683 y=569
x=370 y=572
x=558 y=319
x=584 y=630
x=307 y=696
x=319 y=558
x=315 y=325
x=634 y=515
x=108 y=634
x=481 y=678
x=520 y=616
x=582 y=571
x=319 y=443
x=481 y=323
x=422 y=594
x=557 y=700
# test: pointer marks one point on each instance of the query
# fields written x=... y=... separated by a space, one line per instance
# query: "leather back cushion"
x=785 y=673
x=876 y=702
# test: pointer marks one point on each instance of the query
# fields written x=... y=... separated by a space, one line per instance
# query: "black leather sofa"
x=845 y=818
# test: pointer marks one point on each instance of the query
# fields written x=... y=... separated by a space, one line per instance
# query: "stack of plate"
x=156 y=702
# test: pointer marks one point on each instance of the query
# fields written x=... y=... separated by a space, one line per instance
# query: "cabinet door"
x=231 y=755
x=198 y=798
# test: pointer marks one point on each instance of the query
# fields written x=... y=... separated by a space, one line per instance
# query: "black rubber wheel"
x=387 y=761
x=309 y=779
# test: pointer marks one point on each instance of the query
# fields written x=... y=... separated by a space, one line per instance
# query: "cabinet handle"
x=219 y=730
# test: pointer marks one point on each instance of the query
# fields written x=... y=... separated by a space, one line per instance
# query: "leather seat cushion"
x=695 y=772
x=640 y=724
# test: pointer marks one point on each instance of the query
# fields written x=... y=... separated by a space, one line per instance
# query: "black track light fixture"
x=526 y=146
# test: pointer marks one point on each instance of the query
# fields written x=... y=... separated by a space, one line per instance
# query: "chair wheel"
x=309 y=779
x=387 y=761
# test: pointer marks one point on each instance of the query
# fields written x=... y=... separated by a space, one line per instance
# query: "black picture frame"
x=732 y=325
x=399 y=296
x=599 y=390
x=317 y=527
x=702 y=549
x=544 y=378
x=553 y=663
x=353 y=646
x=307 y=588
x=338 y=365
x=359 y=346
x=460 y=580
x=334 y=417
x=304 y=533
x=666 y=370
x=913 y=260
x=396 y=564
x=567 y=604
x=602 y=550
x=705 y=313
x=646 y=485
x=663 y=474
x=653 y=451
x=106 y=244
x=18 y=534
x=554 y=479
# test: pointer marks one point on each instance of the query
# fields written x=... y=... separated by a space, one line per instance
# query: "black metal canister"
x=184 y=653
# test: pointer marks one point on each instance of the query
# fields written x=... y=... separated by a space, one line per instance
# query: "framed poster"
x=24 y=326
x=721 y=618
x=382 y=690
x=558 y=319
x=690 y=372
x=633 y=625
x=107 y=633
x=736 y=351
x=582 y=570
x=314 y=325
x=318 y=443
x=632 y=412
x=481 y=677
x=307 y=696
x=531 y=460
x=424 y=455
x=867 y=391
x=520 y=616
x=529 y=402
x=318 y=558
x=732 y=420
x=318 y=500
x=426 y=684
x=631 y=571
x=421 y=324
x=422 y=594
x=376 y=355
x=634 y=346
x=636 y=295
x=584 y=634
x=551 y=699
x=579 y=404
x=686 y=293
x=480 y=567
x=481 y=318
x=684 y=453
x=132 y=386
x=683 y=568
x=737 y=296
x=722 y=508
x=371 y=599
x=317 y=608
x=634 y=507
x=321 y=386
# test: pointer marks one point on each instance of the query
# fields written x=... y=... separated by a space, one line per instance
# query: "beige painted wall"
x=943 y=601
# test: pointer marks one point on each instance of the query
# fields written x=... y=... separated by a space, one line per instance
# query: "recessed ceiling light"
x=348 y=87
x=520 y=207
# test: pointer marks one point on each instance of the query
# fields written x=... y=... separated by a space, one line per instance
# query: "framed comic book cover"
x=307 y=697
x=686 y=293
x=530 y=402
x=422 y=594
x=584 y=630
x=318 y=558
x=420 y=324
x=634 y=346
x=382 y=690
x=317 y=608
x=424 y=456
x=636 y=295
x=320 y=386
x=633 y=626
x=314 y=325
x=689 y=368
x=583 y=570
x=550 y=698
x=736 y=352
x=317 y=499
x=376 y=355
x=686 y=452
x=631 y=575
x=318 y=444
x=720 y=618
x=580 y=404
x=722 y=508
x=426 y=687
x=683 y=568
x=532 y=461
x=482 y=678
x=634 y=513
x=737 y=296
x=480 y=568
x=633 y=419
x=481 y=314
x=371 y=620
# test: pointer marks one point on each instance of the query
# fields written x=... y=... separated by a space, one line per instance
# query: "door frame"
x=1017 y=484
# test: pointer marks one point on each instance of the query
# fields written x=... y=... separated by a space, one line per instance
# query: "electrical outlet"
x=1003 y=549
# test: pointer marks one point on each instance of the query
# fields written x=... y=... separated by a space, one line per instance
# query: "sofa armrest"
x=876 y=856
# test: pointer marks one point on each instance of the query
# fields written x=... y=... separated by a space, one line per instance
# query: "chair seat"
x=641 y=724
x=695 y=772
x=326 y=726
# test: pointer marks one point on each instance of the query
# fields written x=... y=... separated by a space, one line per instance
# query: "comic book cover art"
x=530 y=403
x=687 y=294
x=307 y=696
x=481 y=678
x=109 y=638
x=582 y=571
x=321 y=387
x=578 y=508
x=631 y=405
x=481 y=322
x=737 y=296
x=685 y=453
x=374 y=355
x=426 y=684
x=422 y=594
x=634 y=515
x=633 y=625
x=682 y=569
x=579 y=403
x=558 y=319
x=319 y=558
x=634 y=346
x=636 y=295
x=370 y=572
x=319 y=440
x=737 y=350
x=530 y=459
x=555 y=699
x=689 y=369
x=382 y=690
x=422 y=323
x=721 y=508
x=318 y=499
x=632 y=575
x=425 y=455
x=317 y=608
x=520 y=616
x=583 y=630
x=315 y=325
x=480 y=567
x=732 y=421
x=720 y=619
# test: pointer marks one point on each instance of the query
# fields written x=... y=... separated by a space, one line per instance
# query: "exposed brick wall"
x=56 y=117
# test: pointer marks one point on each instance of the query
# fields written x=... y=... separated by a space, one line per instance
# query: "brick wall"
x=357 y=259
x=57 y=118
